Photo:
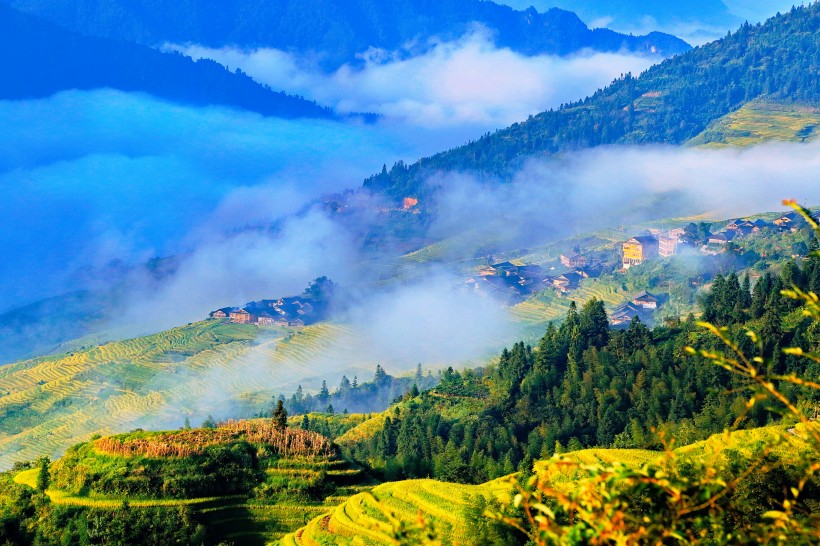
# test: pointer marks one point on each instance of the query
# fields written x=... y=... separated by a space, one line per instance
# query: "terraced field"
x=281 y=502
x=48 y=404
x=547 y=305
x=459 y=246
x=365 y=518
x=759 y=122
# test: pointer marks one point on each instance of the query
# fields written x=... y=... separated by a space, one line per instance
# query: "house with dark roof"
x=264 y=319
x=722 y=238
x=220 y=313
x=504 y=268
x=645 y=300
x=573 y=260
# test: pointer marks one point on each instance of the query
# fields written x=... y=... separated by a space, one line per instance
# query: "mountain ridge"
x=55 y=60
x=336 y=31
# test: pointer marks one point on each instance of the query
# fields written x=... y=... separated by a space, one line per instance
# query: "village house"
x=264 y=319
x=241 y=317
x=639 y=249
x=573 y=260
x=759 y=224
x=504 y=269
x=667 y=245
x=722 y=238
x=623 y=315
x=566 y=282
x=788 y=222
x=741 y=230
x=219 y=314
x=645 y=300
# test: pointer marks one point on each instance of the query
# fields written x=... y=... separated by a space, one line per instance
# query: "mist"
x=622 y=185
x=468 y=84
x=91 y=177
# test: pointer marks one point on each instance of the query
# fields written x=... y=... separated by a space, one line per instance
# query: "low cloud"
x=89 y=177
x=622 y=185
x=468 y=83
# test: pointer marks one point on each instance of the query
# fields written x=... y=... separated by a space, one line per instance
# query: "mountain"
x=629 y=12
x=53 y=60
x=336 y=30
x=670 y=103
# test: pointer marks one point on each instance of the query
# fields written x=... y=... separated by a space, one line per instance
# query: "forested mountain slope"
x=336 y=30
x=670 y=103
x=54 y=60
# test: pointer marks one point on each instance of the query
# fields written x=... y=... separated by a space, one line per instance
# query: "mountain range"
x=54 y=59
x=336 y=31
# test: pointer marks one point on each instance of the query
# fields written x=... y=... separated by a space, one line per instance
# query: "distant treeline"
x=354 y=397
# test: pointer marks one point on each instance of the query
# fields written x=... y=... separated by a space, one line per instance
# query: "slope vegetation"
x=670 y=103
x=245 y=481
x=453 y=509
x=50 y=403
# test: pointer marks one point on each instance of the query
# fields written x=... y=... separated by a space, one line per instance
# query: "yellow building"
x=638 y=249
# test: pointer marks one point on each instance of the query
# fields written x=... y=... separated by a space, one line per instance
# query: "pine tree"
x=280 y=416
x=43 y=475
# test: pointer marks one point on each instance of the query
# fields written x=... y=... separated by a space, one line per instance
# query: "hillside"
x=48 y=404
x=243 y=481
x=54 y=60
x=337 y=30
x=456 y=512
x=670 y=103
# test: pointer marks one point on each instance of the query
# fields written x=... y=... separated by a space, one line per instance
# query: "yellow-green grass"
x=366 y=429
x=366 y=517
x=759 y=122
x=48 y=404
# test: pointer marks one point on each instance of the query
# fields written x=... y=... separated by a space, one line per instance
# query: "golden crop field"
x=367 y=515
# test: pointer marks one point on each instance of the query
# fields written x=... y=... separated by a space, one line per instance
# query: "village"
x=292 y=312
x=514 y=283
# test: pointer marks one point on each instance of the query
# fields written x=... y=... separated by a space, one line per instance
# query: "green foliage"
x=280 y=416
x=763 y=495
x=43 y=474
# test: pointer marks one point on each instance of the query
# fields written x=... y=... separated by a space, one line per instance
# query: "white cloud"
x=469 y=81
x=622 y=185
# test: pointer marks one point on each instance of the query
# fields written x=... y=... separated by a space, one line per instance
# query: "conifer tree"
x=280 y=416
